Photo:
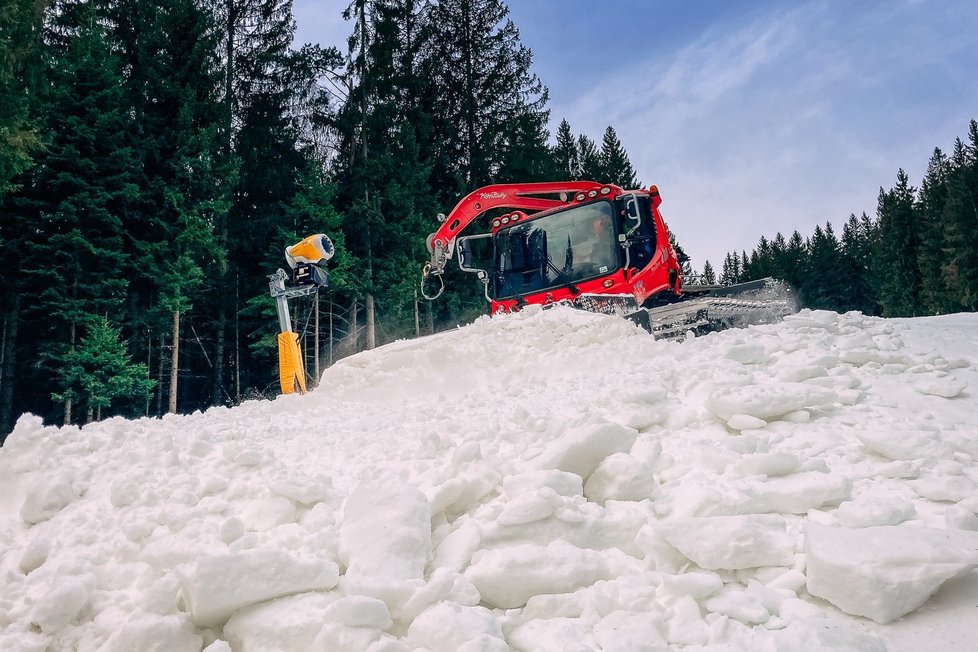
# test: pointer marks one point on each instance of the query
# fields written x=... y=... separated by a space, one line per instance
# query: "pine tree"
x=794 y=261
x=709 y=276
x=174 y=88
x=614 y=164
x=485 y=82
x=929 y=212
x=897 y=255
x=567 y=157
x=857 y=265
x=960 y=218
x=99 y=371
x=824 y=285
x=590 y=158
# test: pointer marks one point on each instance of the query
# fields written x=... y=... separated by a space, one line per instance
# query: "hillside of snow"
x=550 y=480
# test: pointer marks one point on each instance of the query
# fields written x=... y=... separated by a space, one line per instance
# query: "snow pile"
x=552 y=480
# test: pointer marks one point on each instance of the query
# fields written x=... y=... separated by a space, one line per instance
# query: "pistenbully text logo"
x=492 y=195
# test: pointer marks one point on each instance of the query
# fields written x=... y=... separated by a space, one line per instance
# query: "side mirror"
x=466 y=259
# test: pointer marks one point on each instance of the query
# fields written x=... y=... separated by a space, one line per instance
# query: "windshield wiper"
x=561 y=276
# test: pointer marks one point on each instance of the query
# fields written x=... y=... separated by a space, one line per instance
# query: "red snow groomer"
x=596 y=247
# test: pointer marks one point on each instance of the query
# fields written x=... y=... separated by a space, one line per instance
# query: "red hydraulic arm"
x=521 y=196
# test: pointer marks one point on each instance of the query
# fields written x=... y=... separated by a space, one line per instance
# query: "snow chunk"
x=869 y=512
x=731 y=542
x=943 y=387
x=766 y=401
x=620 y=477
x=555 y=568
x=745 y=422
x=582 y=450
x=884 y=572
x=563 y=483
x=281 y=625
x=450 y=627
x=624 y=631
x=905 y=446
x=152 y=633
x=221 y=584
x=48 y=497
x=738 y=605
x=63 y=602
x=385 y=538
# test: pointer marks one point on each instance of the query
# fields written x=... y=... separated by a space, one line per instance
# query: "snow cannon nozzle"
x=315 y=250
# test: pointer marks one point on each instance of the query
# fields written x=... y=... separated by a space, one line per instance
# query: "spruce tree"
x=857 y=265
x=898 y=251
x=929 y=210
x=591 y=168
x=485 y=82
x=99 y=371
x=824 y=285
x=614 y=164
x=709 y=275
x=567 y=157
x=960 y=218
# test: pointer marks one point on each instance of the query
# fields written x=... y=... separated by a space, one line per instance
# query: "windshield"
x=555 y=250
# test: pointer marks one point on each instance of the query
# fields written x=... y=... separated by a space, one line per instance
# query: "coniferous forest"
x=156 y=158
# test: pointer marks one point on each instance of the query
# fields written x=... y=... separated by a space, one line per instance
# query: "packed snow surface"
x=550 y=480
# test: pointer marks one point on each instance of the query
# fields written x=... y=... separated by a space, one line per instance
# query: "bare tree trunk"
x=431 y=319
x=11 y=324
x=66 y=417
x=218 y=369
x=371 y=328
x=417 y=316
x=174 y=362
x=330 y=359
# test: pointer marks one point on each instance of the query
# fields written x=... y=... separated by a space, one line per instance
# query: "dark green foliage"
x=960 y=219
x=99 y=371
x=567 y=156
x=897 y=265
x=614 y=164
x=591 y=167
x=20 y=70
x=709 y=275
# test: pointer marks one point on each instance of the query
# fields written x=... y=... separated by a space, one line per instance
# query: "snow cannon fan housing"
x=307 y=258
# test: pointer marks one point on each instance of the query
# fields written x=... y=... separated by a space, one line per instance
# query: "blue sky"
x=751 y=117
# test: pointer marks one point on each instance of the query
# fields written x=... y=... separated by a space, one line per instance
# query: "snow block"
x=884 y=572
x=48 y=497
x=730 y=542
x=620 y=477
x=282 y=625
x=152 y=633
x=221 y=584
x=385 y=538
x=768 y=401
x=507 y=577
x=581 y=451
x=449 y=627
